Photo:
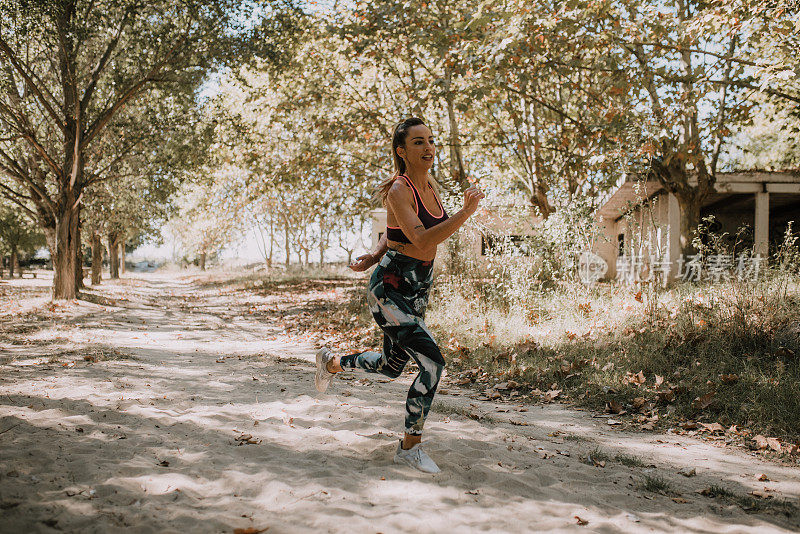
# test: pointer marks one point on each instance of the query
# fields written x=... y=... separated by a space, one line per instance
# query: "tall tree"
x=70 y=66
x=689 y=70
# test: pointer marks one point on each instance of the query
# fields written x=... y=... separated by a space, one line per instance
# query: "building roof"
x=632 y=189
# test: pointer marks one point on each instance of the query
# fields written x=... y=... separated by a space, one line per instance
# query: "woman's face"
x=419 y=148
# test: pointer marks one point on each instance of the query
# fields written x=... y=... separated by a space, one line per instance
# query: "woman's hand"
x=472 y=196
x=363 y=263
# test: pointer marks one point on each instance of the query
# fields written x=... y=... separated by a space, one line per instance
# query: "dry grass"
x=728 y=353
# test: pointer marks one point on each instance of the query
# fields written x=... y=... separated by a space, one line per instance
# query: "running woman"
x=416 y=223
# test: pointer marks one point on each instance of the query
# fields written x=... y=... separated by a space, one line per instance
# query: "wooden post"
x=673 y=235
x=762 y=224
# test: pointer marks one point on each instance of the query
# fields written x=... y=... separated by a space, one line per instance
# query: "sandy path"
x=150 y=440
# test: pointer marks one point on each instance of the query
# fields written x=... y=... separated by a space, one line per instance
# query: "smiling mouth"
x=427 y=158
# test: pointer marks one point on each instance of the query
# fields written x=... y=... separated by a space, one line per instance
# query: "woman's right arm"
x=366 y=261
x=401 y=202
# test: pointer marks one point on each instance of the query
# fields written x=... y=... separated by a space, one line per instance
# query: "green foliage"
x=17 y=232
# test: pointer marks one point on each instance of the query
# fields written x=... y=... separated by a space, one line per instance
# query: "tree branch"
x=132 y=91
x=582 y=127
x=15 y=170
x=728 y=58
x=721 y=116
x=19 y=67
x=14 y=197
x=103 y=61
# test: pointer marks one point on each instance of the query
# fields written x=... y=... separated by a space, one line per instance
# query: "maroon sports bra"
x=395 y=233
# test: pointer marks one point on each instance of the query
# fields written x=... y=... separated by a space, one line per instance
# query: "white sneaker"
x=415 y=457
x=323 y=377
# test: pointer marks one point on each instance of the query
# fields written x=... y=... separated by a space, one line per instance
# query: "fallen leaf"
x=614 y=407
x=760 y=494
x=249 y=530
x=637 y=378
x=638 y=296
x=760 y=441
x=666 y=396
x=659 y=380
x=729 y=379
x=638 y=402
x=713 y=427
x=594 y=461
x=247 y=439
x=528 y=346
x=688 y=473
x=761 y=477
x=552 y=394
x=701 y=403
x=680 y=500
x=774 y=444
x=581 y=522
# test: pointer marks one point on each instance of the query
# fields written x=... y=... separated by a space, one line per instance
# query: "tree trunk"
x=122 y=258
x=50 y=238
x=78 y=256
x=539 y=196
x=690 y=219
x=113 y=256
x=202 y=261
x=287 y=244
x=97 y=259
x=64 y=258
x=13 y=264
x=457 y=172
x=271 y=242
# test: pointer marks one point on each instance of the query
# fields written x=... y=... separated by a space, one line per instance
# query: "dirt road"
x=163 y=405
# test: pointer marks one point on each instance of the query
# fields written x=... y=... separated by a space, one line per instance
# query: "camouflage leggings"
x=398 y=295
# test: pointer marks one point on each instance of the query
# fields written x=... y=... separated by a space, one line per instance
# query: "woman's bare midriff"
x=410 y=250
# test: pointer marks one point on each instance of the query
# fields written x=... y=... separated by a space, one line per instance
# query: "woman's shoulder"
x=400 y=183
x=400 y=189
